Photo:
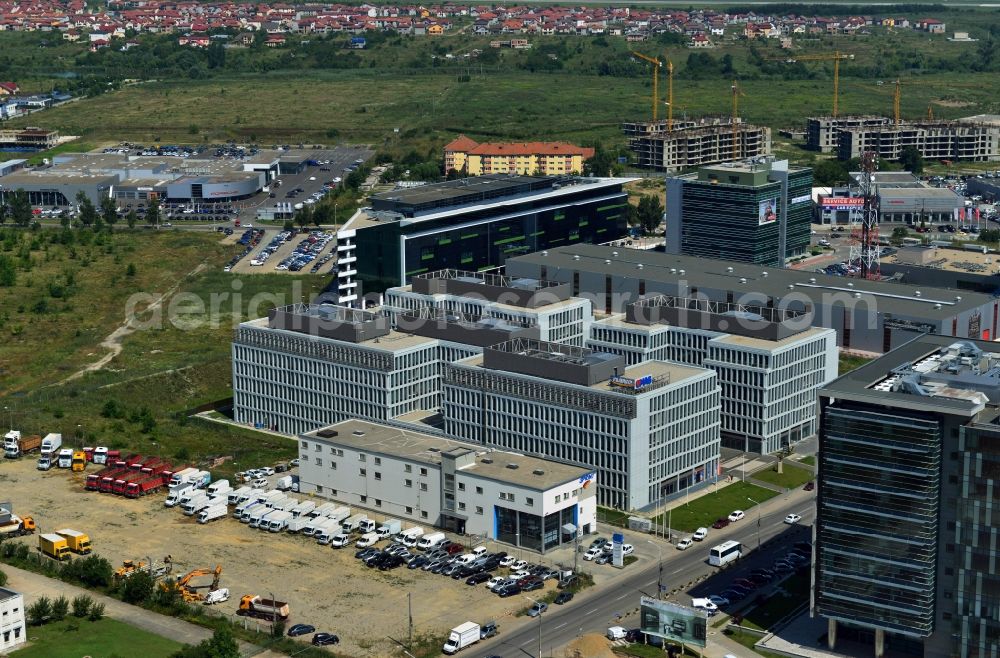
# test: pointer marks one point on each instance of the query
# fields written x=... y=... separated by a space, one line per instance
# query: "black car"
x=564 y=597
x=325 y=639
x=509 y=590
x=531 y=583
x=477 y=578
x=464 y=572
x=365 y=552
x=301 y=629
x=417 y=562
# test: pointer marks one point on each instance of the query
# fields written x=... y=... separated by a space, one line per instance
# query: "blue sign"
x=587 y=479
x=618 y=538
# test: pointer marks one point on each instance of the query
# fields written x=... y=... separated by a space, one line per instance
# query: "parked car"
x=477 y=578
x=603 y=559
x=325 y=639
x=301 y=629
x=509 y=590
x=720 y=523
x=700 y=534
x=563 y=597
x=530 y=583
x=718 y=600
x=736 y=516
x=809 y=486
x=489 y=629
x=684 y=544
x=537 y=608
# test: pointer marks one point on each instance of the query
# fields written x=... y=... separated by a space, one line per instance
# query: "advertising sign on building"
x=842 y=203
x=617 y=556
x=975 y=322
x=633 y=383
x=673 y=622
x=800 y=199
x=767 y=211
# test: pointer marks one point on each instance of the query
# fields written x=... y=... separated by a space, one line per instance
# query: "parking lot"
x=326 y=588
x=296 y=252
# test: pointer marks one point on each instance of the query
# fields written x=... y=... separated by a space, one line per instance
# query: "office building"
x=903 y=198
x=868 y=316
x=650 y=431
x=769 y=364
x=532 y=503
x=758 y=211
x=547 y=306
x=470 y=158
x=689 y=144
x=471 y=224
x=906 y=541
x=13 y=630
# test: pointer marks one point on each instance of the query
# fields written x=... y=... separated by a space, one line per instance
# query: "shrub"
x=39 y=611
x=81 y=606
x=60 y=608
x=96 y=612
x=138 y=587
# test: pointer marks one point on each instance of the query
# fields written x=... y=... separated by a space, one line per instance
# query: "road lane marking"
x=560 y=626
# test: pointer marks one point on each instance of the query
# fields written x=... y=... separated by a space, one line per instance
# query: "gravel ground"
x=324 y=587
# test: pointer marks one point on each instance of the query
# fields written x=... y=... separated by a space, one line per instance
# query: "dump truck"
x=252 y=605
x=53 y=545
x=12 y=525
x=150 y=484
x=79 y=461
x=121 y=482
x=94 y=479
x=461 y=636
x=15 y=445
x=77 y=541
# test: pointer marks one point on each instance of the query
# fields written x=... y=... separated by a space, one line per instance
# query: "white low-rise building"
x=534 y=503
x=12 y=626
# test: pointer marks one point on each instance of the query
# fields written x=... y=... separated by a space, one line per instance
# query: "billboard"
x=633 y=383
x=673 y=622
x=617 y=556
x=767 y=211
x=842 y=203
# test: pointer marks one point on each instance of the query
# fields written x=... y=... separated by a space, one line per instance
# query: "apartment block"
x=769 y=363
x=527 y=502
x=650 y=430
x=823 y=133
x=935 y=140
x=13 y=629
x=705 y=143
x=906 y=540
x=545 y=305
x=471 y=158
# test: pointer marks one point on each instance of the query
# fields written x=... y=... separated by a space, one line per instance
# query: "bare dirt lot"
x=324 y=587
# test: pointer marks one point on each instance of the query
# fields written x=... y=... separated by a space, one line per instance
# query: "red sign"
x=842 y=202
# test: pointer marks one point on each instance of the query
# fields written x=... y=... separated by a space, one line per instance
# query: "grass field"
x=809 y=459
x=73 y=638
x=791 y=477
x=780 y=605
x=71 y=297
x=703 y=511
x=849 y=362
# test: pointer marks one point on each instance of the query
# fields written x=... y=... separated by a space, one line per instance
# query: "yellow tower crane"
x=834 y=57
x=657 y=64
x=930 y=113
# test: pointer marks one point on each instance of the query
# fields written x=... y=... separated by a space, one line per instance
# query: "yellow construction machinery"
x=657 y=64
x=828 y=57
x=188 y=591
x=130 y=567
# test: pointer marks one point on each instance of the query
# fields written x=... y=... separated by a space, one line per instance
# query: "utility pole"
x=758 y=519
x=659 y=574
x=409 y=608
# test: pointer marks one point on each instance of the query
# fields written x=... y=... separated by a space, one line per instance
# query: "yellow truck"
x=79 y=461
x=53 y=545
x=77 y=541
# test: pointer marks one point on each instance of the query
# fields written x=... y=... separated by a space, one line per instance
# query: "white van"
x=430 y=541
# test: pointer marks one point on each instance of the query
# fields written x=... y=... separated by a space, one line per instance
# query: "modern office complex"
x=906 y=540
x=649 y=430
x=471 y=158
x=769 y=364
x=903 y=198
x=471 y=224
x=686 y=144
x=538 y=504
x=13 y=630
x=547 y=306
x=758 y=211
x=869 y=316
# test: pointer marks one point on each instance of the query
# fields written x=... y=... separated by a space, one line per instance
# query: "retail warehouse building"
x=534 y=503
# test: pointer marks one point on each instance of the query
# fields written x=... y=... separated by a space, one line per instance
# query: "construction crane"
x=834 y=57
x=895 y=103
x=657 y=64
x=735 y=120
x=930 y=113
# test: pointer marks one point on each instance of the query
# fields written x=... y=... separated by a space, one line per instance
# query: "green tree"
x=912 y=160
x=88 y=213
x=60 y=608
x=222 y=644
x=303 y=216
x=109 y=212
x=8 y=272
x=81 y=606
x=130 y=270
x=650 y=212
x=322 y=214
x=64 y=219
x=4 y=213
x=898 y=234
x=96 y=612
x=3 y=579
x=39 y=611
x=138 y=587
x=153 y=212
x=131 y=218
x=216 y=55
x=20 y=208
x=827 y=173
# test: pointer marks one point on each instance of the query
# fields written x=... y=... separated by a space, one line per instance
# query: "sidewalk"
x=34 y=586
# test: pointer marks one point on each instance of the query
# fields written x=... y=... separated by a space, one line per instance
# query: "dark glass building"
x=472 y=224
x=756 y=211
x=906 y=539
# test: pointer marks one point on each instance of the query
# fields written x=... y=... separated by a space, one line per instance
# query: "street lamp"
x=758 y=519
x=539 y=654
x=659 y=574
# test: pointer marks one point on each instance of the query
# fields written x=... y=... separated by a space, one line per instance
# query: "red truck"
x=153 y=465
x=94 y=479
x=118 y=488
x=127 y=462
x=147 y=485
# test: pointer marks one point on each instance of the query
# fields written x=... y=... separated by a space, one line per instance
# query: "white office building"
x=428 y=480
x=12 y=627
x=559 y=317
x=649 y=431
x=769 y=367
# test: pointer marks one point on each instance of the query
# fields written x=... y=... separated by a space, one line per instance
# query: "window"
x=378 y=476
x=409 y=510
x=333 y=492
x=407 y=468
x=361 y=457
x=333 y=466
x=305 y=444
x=461 y=486
x=319 y=448
x=378 y=503
x=333 y=451
x=408 y=483
x=423 y=515
x=423 y=471
x=362 y=472
x=423 y=486
x=557 y=499
x=479 y=510
x=319 y=488
x=461 y=506
x=510 y=497
x=319 y=462
x=479 y=490
x=378 y=461
x=364 y=499
x=529 y=501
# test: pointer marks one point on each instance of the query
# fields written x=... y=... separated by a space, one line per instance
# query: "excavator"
x=189 y=592
x=130 y=567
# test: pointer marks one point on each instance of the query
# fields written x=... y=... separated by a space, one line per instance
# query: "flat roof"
x=426 y=448
x=773 y=282
x=469 y=189
x=23 y=178
x=769 y=345
x=7 y=593
x=394 y=341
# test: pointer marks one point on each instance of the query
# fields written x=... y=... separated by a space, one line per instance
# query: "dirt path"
x=113 y=342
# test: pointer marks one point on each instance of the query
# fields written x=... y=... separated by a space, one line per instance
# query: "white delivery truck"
x=339 y=541
x=366 y=526
x=201 y=479
x=427 y=542
x=219 y=487
x=191 y=505
x=297 y=524
x=327 y=531
x=233 y=495
x=287 y=483
x=213 y=501
x=278 y=521
x=259 y=518
x=65 y=459
x=51 y=443
x=411 y=536
x=212 y=513
x=366 y=540
x=303 y=508
x=321 y=510
x=251 y=509
x=174 y=497
x=182 y=476
x=389 y=528
x=352 y=523
x=462 y=636
x=277 y=499
x=250 y=496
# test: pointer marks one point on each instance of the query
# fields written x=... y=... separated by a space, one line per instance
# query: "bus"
x=725 y=553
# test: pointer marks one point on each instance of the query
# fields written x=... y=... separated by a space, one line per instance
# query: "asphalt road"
x=597 y=609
